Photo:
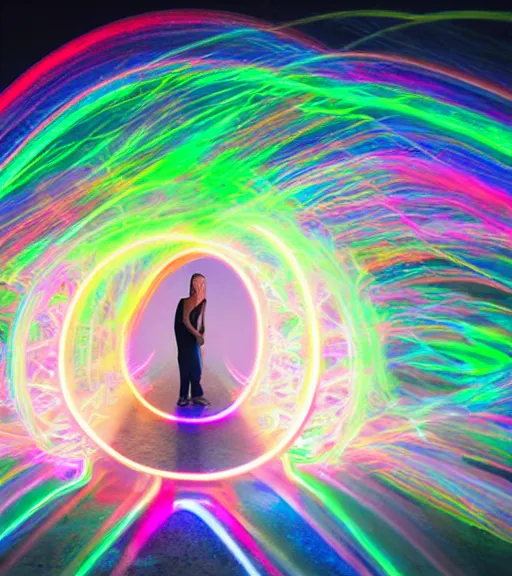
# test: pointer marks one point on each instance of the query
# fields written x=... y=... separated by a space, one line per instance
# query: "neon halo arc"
x=308 y=393
x=175 y=262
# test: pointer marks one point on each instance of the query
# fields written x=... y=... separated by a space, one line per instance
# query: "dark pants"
x=189 y=362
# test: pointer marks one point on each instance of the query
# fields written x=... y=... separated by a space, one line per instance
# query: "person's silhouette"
x=189 y=328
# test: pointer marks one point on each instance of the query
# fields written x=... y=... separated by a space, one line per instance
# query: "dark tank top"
x=184 y=338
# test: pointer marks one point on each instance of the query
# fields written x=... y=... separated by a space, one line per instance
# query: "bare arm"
x=202 y=317
x=187 y=308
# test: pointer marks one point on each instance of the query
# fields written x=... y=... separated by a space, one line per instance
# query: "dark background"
x=32 y=29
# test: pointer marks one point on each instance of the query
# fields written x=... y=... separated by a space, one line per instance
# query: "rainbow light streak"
x=159 y=512
x=333 y=540
x=362 y=194
x=52 y=495
x=208 y=518
x=115 y=532
x=335 y=508
x=58 y=516
x=245 y=535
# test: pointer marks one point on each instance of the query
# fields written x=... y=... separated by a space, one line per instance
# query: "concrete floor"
x=159 y=443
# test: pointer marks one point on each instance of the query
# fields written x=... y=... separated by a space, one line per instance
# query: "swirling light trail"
x=368 y=196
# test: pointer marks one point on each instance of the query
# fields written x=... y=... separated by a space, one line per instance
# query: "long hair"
x=192 y=278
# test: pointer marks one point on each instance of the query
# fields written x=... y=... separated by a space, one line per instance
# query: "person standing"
x=189 y=328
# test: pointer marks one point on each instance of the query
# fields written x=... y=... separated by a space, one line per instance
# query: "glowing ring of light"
x=308 y=391
x=176 y=261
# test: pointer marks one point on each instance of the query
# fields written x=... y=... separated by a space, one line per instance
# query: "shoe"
x=200 y=401
x=182 y=402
